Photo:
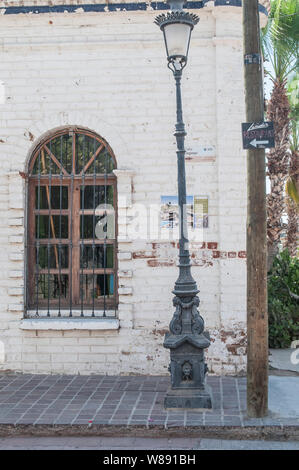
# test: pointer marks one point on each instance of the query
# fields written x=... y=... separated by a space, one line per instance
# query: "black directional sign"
x=259 y=135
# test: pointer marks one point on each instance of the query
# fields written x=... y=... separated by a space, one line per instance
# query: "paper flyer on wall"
x=197 y=212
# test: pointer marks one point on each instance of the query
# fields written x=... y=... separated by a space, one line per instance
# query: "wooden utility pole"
x=257 y=315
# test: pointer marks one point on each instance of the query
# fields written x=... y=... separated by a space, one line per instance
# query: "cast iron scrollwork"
x=176 y=322
x=197 y=322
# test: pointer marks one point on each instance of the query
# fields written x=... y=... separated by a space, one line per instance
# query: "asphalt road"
x=138 y=443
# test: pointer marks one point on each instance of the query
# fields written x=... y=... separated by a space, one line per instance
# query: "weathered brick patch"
x=227 y=352
x=201 y=253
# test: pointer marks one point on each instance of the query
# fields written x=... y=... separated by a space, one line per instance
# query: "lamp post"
x=187 y=338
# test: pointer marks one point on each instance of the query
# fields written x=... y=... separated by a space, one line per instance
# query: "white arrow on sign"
x=255 y=142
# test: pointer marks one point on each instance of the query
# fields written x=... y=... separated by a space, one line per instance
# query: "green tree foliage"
x=283 y=301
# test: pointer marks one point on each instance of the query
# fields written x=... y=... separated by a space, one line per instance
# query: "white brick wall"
x=107 y=72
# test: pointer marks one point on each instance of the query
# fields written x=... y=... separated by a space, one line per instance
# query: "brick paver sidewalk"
x=134 y=401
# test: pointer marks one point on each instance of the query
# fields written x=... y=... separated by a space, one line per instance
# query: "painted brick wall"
x=107 y=72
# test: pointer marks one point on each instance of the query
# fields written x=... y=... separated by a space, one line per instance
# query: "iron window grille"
x=71 y=239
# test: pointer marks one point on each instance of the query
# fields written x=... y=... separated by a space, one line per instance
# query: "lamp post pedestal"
x=187 y=366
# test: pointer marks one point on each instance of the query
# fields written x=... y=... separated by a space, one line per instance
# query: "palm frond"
x=292 y=191
x=293 y=96
x=280 y=38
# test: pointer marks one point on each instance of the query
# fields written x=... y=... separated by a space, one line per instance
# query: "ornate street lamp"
x=187 y=338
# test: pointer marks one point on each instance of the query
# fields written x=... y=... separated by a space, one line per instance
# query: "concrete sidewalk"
x=105 y=405
x=284 y=360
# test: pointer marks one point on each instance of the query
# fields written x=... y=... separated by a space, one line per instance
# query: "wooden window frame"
x=74 y=241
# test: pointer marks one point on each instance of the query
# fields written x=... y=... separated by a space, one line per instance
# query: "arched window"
x=71 y=241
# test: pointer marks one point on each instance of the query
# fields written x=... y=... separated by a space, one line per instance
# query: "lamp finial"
x=176 y=5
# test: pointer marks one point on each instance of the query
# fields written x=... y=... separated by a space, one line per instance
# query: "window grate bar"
x=44 y=241
x=105 y=236
x=71 y=222
x=93 y=229
x=60 y=228
x=115 y=284
x=48 y=192
x=82 y=220
x=37 y=242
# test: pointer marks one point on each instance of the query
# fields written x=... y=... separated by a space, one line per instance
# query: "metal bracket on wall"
x=252 y=59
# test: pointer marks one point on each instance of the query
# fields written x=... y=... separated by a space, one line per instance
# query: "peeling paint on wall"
x=69 y=6
x=227 y=353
